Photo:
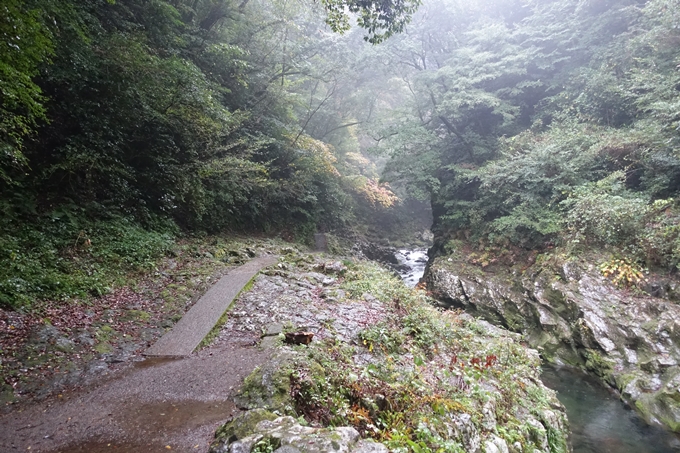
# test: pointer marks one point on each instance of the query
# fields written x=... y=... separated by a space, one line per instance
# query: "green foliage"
x=27 y=43
x=540 y=123
x=121 y=118
x=382 y=336
x=605 y=212
x=266 y=445
x=420 y=369
x=380 y=18
x=660 y=240
x=66 y=255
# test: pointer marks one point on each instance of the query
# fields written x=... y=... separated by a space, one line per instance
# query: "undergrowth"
x=63 y=257
x=419 y=379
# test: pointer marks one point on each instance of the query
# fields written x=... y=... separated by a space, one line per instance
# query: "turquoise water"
x=599 y=421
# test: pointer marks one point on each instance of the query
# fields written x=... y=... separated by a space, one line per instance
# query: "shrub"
x=64 y=256
x=623 y=272
x=660 y=240
x=605 y=213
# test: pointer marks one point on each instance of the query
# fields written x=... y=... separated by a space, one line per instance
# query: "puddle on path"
x=150 y=362
x=173 y=415
x=115 y=447
x=147 y=424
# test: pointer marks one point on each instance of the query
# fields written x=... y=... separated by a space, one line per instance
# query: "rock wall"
x=574 y=315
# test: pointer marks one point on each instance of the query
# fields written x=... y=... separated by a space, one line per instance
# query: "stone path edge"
x=196 y=323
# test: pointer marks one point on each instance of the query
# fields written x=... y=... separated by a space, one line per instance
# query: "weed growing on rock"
x=623 y=272
x=424 y=379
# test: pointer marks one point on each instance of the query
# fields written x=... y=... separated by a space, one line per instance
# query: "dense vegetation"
x=124 y=122
x=428 y=367
x=541 y=123
x=525 y=124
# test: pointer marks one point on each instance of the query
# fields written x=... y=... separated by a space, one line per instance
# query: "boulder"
x=259 y=430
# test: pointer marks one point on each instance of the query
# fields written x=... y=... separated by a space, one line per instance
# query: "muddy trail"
x=147 y=406
x=157 y=404
x=165 y=404
x=87 y=398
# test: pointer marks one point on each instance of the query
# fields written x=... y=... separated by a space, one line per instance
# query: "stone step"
x=188 y=333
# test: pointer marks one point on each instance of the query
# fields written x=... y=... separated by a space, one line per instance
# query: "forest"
x=522 y=125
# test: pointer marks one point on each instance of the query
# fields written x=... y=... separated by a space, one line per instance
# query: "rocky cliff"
x=574 y=315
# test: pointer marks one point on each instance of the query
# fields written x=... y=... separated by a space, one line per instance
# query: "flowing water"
x=599 y=421
x=412 y=265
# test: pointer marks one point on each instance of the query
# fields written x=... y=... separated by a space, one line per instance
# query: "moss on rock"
x=241 y=426
x=573 y=314
x=389 y=366
x=268 y=386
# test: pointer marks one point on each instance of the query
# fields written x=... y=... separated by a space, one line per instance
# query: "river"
x=599 y=421
x=412 y=265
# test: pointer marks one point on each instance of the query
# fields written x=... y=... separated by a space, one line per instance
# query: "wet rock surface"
x=323 y=297
x=286 y=435
x=380 y=253
x=630 y=340
x=469 y=378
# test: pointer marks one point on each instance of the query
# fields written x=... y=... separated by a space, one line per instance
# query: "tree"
x=25 y=44
x=515 y=105
x=380 y=18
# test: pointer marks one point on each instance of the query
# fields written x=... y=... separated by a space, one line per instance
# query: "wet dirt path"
x=149 y=406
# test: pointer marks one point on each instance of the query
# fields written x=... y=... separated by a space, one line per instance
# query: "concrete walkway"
x=202 y=317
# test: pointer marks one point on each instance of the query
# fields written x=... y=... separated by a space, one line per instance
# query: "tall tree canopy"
x=528 y=123
x=202 y=114
x=523 y=123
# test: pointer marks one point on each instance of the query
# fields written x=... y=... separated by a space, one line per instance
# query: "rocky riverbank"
x=573 y=314
x=380 y=368
x=351 y=359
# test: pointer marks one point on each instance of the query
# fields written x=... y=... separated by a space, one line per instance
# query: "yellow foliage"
x=374 y=193
x=622 y=272
x=359 y=414
x=319 y=154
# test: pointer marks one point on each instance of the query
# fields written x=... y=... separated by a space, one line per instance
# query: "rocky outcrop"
x=574 y=315
x=384 y=364
x=259 y=430
x=379 y=253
